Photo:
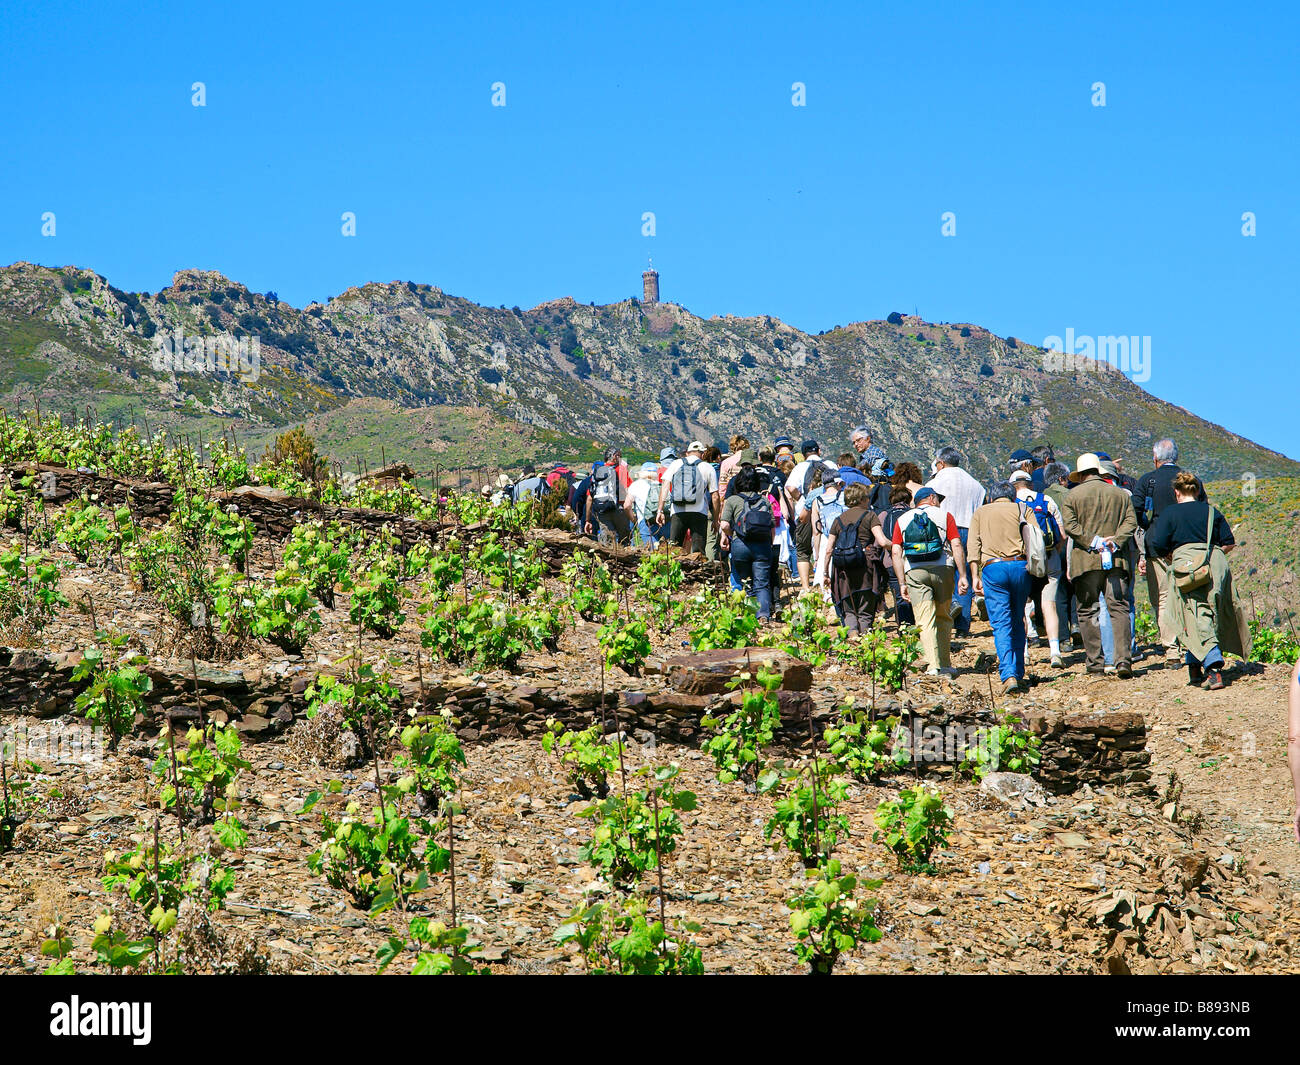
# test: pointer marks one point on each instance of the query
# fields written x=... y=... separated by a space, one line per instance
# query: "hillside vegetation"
x=1266 y=561
x=347 y=727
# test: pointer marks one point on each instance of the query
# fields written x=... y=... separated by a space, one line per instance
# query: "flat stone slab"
x=708 y=672
x=671 y=702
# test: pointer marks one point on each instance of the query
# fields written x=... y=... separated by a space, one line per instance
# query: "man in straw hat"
x=1099 y=518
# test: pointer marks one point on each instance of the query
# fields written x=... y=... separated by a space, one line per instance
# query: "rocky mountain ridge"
x=630 y=373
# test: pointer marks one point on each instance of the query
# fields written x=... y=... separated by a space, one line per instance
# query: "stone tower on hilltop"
x=650 y=284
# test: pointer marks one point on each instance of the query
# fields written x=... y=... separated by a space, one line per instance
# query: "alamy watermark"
x=208 y=354
x=1130 y=355
x=951 y=744
x=45 y=743
x=131 y=1020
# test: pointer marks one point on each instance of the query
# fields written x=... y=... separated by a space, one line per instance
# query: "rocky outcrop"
x=623 y=373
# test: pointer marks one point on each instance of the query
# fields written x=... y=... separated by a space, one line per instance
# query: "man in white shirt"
x=691 y=486
x=962 y=496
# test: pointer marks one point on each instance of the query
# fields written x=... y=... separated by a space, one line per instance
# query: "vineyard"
x=269 y=715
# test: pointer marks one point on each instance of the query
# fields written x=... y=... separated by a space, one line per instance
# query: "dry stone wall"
x=274 y=513
x=1097 y=748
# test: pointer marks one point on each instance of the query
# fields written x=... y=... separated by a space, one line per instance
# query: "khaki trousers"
x=931 y=590
x=1088 y=589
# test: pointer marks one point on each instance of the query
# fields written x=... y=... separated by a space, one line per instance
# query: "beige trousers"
x=931 y=590
x=1158 y=594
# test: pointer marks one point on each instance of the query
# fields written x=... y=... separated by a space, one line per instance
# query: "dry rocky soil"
x=1195 y=874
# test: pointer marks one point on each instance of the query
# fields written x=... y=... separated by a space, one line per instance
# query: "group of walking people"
x=1044 y=552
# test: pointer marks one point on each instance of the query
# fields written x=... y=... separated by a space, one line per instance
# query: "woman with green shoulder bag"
x=1201 y=606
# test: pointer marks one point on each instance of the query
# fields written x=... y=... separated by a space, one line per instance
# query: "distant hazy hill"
x=575 y=376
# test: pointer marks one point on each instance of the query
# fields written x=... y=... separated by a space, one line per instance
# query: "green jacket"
x=1095 y=508
x=1209 y=616
x=1056 y=493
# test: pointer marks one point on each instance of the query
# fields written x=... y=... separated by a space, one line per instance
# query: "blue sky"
x=1123 y=219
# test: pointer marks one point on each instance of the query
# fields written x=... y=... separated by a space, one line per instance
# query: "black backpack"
x=891 y=517
x=755 y=520
x=880 y=496
x=848 y=552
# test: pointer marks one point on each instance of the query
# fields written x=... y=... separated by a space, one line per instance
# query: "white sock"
x=1056 y=646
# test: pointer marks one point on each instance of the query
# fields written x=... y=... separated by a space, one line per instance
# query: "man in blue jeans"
x=961 y=602
x=997 y=560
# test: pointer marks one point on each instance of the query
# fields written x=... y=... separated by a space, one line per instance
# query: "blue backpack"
x=830 y=509
x=1046 y=522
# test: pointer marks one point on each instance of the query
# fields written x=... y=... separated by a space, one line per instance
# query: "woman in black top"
x=1185 y=523
x=750 y=557
x=1205 y=618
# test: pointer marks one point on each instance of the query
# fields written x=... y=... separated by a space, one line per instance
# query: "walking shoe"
x=948 y=671
x=1076 y=637
x=1195 y=675
x=1010 y=686
x=1057 y=663
x=981 y=608
x=1109 y=670
x=1173 y=655
x=1213 y=680
x=1124 y=671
